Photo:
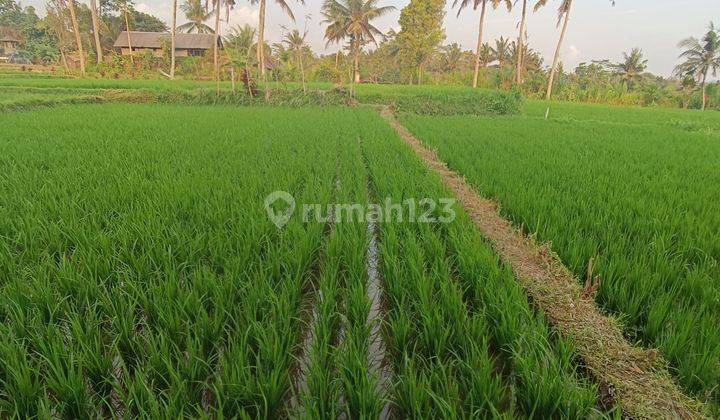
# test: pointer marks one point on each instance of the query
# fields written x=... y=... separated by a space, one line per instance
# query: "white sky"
x=596 y=31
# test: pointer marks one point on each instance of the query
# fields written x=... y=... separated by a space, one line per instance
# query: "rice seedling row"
x=140 y=275
x=635 y=203
x=162 y=289
x=460 y=330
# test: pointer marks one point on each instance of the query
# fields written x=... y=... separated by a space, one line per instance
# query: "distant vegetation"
x=416 y=54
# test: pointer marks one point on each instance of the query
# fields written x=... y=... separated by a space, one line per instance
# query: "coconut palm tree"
x=701 y=57
x=564 y=18
x=501 y=52
x=196 y=16
x=295 y=43
x=631 y=68
x=482 y=4
x=486 y=54
x=452 y=57
x=261 y=27
x=520 y=50
x=76 y=30
x=173 y=35
x=356 y=17
x=126 y=7
x=335 y=31
x=239 y=44
x=96 y=30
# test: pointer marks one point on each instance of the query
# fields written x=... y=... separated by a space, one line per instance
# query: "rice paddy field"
x=140 y=274
x=631 y=190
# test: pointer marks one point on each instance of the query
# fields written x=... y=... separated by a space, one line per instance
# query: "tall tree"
x=78 y=39
x=357 y=16
x=631 y=68
x=173 y=35
x=261 y=28
x=520 y=44
x=96 y=30
x=564 y=18
x=701 y=57
x=56 y=23
x=196 y=16
x=481 y=26
x=295 y=43
x=239 y=44
x=126 y=7
x=335 y=32
x=452 y=57
x=216 y=41
x=421 y=32
x=501 y=52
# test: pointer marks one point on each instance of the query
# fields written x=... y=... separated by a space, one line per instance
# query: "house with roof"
x=8 y=45
x=186 y=45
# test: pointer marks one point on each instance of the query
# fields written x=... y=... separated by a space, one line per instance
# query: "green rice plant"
x=464 y=338
x=632 y=203
x=155 y=232
x=441 y=100
x=687 y=120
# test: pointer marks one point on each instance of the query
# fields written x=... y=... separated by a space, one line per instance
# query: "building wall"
x=8 y=47
x=157 y=52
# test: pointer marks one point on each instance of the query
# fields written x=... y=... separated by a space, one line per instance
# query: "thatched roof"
x=154 y=40
x=8 y=34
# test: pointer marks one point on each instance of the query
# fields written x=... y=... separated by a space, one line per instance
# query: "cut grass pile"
x=140 y=275
x=640 y=201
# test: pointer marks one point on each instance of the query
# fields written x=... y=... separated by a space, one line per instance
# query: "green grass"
x=440 y=100
x=619 y=186
x=687 y=120
x=21 y=100
x=139 y=272
x=33 y=81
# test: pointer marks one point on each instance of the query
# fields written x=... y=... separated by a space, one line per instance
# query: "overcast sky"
x=597 y=30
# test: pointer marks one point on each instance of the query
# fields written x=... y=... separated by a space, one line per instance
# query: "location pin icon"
x=279 y=218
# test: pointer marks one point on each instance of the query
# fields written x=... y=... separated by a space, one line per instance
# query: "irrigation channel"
x=377 y=367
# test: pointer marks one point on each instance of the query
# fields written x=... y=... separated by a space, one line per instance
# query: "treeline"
x=416 y=54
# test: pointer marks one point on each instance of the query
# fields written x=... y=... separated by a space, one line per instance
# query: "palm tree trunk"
x=337 y=59
x=356 y=76
x=479 y=44
x=127 y=30
x=64 y=59
x=703 y=89
x=261 y=40
x=172 y=40
x=302 y=73
x=96 y=30
x=216 y=55
x=553 y=69
x=520 y=43
x=78 y=40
